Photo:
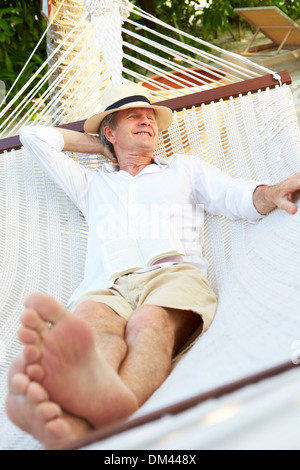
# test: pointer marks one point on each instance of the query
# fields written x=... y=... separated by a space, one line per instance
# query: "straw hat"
x=125 y=96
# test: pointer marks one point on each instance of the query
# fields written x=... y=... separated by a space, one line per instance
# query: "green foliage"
x=21 y=26
x=291 y=8
x=216 y=17
x=184 y=15
x=219 y=16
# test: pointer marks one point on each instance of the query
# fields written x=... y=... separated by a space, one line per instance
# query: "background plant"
x=21 y=26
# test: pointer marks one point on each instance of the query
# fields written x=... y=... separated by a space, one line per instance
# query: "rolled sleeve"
x=45 y=134
x=223 y=195
x=45 y=145
x=245 y=201
x=51 y=137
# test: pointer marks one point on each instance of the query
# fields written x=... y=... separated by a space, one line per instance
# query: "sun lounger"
x=275 y=25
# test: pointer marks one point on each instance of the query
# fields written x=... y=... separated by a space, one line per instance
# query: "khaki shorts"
x=179 y=286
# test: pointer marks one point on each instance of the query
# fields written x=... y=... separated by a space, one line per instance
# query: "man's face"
x=136 y=131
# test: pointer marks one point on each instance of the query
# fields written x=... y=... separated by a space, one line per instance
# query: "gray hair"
x=108 y=121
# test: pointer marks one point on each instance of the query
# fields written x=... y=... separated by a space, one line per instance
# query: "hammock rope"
x=33 y=92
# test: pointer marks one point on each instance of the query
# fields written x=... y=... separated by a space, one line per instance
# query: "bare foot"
x=28 y=407
x=60 y=353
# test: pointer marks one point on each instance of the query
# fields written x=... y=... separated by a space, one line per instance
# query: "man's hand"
x=282 y=196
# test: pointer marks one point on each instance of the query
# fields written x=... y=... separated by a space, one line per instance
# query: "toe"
x=35 y=372
x=32 y=354
x=28 y=336
x=48 y=411
x=19 y=384
x=36 y=394
x=60 y=433
x=18 y=366
x=31 y=319
x=47 y=307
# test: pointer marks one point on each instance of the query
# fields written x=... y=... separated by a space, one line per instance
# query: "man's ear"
x=109 y=149
x=109 y=134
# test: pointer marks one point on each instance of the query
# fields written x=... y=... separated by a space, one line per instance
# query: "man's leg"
x=109 y=330
x=142 y=350
x=153 y=336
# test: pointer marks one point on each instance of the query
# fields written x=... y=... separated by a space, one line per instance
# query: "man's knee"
x=98 y=313
x=169 y=327
x=109 y=329
x=88 y=308
x=150 y=320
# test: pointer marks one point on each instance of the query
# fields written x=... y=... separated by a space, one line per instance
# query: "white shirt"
x=114 y=203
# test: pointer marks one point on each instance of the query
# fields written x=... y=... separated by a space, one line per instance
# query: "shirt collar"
x=113 y=168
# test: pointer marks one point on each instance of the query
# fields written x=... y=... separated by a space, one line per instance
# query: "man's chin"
x=146 y=145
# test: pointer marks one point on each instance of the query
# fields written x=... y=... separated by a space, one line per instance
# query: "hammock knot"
x=101 y=7
x=277 y=77
x=107 y=16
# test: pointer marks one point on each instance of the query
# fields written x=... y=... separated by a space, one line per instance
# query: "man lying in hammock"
x=98 y=360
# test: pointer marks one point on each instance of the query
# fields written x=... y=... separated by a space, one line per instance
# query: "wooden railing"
x=187 y=101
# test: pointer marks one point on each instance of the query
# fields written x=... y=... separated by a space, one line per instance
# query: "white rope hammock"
x=253 y=268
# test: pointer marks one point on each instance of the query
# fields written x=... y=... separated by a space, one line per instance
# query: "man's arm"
x=283 y=196
x=83 y=143
x=45 y=145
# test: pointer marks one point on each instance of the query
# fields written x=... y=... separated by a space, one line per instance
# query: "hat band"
x=130 y=99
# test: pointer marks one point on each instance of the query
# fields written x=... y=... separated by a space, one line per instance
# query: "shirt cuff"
x=254 y=215
x=51 y=136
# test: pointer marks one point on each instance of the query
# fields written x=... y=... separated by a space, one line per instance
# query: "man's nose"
x=145 y=120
